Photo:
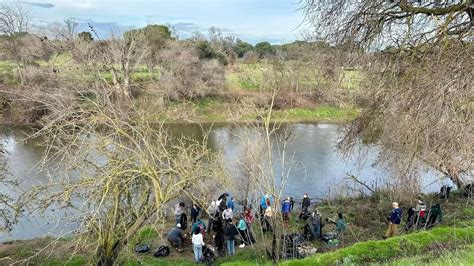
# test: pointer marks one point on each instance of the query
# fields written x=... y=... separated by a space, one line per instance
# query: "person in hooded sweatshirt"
x=393 y=221
x=230 y=204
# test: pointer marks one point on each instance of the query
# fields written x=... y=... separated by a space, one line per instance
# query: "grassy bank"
x=209 y=110
x=247 y=90
x=449 y=243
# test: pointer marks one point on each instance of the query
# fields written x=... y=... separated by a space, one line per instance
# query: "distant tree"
x=241 y=48
x=85 y=36
x=207 y=51
x=155 y=37
x=264 y=49
x=71 y=26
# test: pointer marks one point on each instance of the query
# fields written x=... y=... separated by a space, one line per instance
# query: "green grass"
x=74 y=261
x=260 y=75
x=458 y=257
x=441 y=238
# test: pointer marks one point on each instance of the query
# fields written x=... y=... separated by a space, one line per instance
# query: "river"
x=317 y=169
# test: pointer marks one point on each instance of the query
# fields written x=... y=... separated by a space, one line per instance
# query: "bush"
x=186 y=76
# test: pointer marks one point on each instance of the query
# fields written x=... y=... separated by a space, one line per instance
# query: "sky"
x=276 y=21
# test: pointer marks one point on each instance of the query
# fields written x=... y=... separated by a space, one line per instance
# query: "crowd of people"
x=227 y=227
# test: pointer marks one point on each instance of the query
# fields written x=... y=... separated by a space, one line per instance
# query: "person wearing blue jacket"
x=230 y=204
x=393 y=221
x=263 y=205
x=285 y=210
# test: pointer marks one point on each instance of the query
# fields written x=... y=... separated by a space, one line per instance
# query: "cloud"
x=185 y=27
x=103 y=29
x=39 y=4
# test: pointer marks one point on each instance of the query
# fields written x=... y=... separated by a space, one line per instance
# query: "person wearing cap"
x=175 y=237
x=393 y=221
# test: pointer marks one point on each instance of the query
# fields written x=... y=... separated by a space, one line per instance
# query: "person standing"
x=285 y=210
x=227 y=214
x=195 y=210
x=306 y=203
x=292 y=204
x=198 y=243
x=242 y=227
x=230 y=204
x=449 y=185
x=178 y=211
x=230 y=231
x=394 y=220
x=263 y=205
x=248 y=214
x=341 y=225
x=201 y=226
x=212 y=212
x=268 y=219
x=316 y=224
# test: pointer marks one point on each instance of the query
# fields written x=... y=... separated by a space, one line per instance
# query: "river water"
x=317 y=167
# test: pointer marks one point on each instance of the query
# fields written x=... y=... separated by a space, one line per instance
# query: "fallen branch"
x=355 y=179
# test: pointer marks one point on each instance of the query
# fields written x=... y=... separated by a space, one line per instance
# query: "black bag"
x=208 y=256
x=183 y=221
x=162 y=251
x=142 y=249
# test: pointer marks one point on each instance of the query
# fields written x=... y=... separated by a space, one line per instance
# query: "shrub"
x=186 y=76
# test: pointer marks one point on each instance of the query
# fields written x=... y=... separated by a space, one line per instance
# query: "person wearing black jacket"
x=306 y=203
x=194 y=213
x=230 y=231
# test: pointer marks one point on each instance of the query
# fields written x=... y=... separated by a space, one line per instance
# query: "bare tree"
x=264 y=148
x=415 y=105
x=71 y=27
x=127 y=172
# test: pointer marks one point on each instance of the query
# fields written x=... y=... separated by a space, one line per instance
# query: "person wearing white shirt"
x=198 y=243
x=227 y=214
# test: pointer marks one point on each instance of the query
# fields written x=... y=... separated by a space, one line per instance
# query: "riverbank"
x=362 y=241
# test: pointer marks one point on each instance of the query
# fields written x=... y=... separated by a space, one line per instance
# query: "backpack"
x=162 y=251
x=422 y=214
x=142 y=249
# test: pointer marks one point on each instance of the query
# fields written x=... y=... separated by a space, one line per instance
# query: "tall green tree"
x=264 y=49
x=85 y=36
x=242 y=47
